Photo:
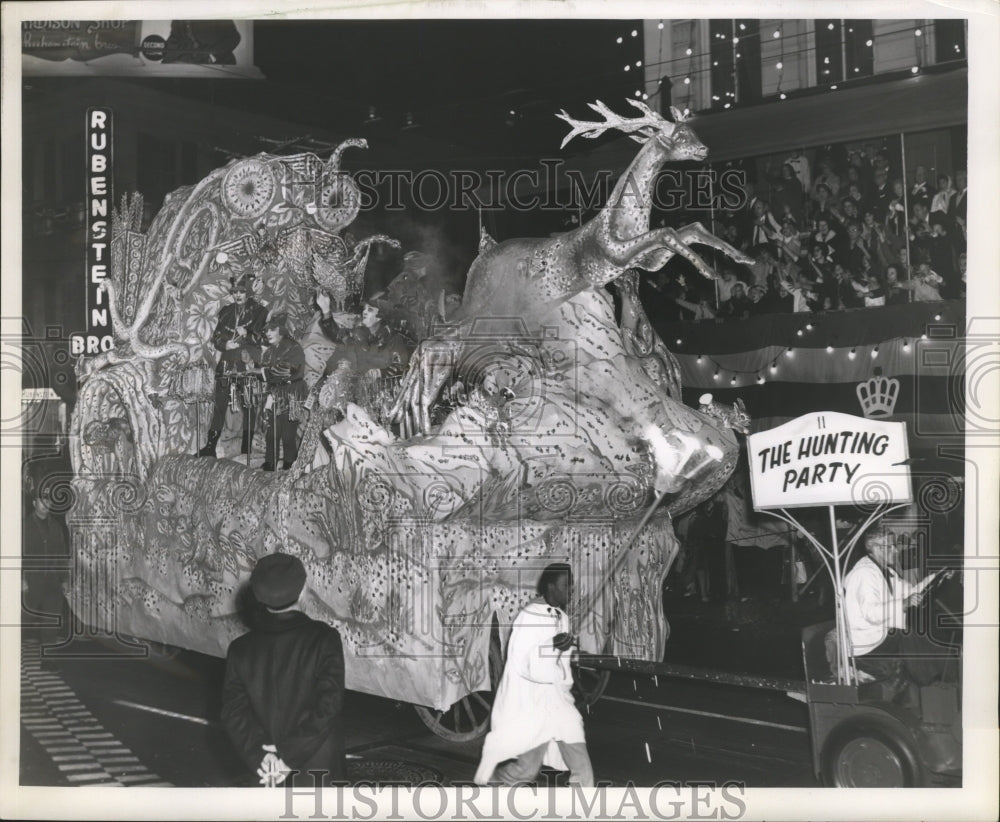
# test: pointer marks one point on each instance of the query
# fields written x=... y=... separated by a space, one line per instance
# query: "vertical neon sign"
x=99 y=198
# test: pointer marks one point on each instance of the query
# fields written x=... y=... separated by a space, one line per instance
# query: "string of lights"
x=917 y=29
x=769 y=365
x=786 y=55
x=690 y=56
x=737 y=376
x=685 y=66
x=667 y=65
x=780 y=67
x=690 y=73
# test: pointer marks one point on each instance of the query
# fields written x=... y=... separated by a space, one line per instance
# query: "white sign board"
x=828 y=458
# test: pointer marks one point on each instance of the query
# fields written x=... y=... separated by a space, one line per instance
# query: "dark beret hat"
x=279 y=320
x=277 y=580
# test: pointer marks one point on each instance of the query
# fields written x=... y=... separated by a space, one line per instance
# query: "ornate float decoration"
x=535 y=428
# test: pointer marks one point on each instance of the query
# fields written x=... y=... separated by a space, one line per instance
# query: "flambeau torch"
x=679 y=458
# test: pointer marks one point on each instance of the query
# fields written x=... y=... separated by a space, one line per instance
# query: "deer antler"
x=678 y=115
x=645 y=125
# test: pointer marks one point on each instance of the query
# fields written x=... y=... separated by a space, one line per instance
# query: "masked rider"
x=284 y=364
x=238 y=336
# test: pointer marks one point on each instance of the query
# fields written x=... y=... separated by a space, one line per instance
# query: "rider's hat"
x=242 y=283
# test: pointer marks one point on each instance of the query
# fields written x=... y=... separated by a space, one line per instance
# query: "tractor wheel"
x=867 y=753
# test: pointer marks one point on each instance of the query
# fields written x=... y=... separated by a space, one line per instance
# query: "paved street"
x=154 y=721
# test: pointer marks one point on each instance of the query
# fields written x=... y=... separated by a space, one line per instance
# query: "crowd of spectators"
x=847 y=234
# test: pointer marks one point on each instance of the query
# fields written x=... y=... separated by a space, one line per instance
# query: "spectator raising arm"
x=701 y=310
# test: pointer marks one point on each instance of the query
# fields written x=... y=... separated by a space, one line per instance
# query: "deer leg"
x=430 y=367
x=697 y=233
x=652 y=250
x=404 y=409
x=633 y=319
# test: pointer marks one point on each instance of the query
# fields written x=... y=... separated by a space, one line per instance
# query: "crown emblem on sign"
x=878 y=396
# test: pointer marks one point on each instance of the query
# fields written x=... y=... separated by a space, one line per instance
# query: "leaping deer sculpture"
x=521 y=277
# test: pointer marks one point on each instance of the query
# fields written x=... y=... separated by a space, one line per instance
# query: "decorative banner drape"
x=786 y=365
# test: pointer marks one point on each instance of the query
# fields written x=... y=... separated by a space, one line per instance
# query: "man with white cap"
x=284 y=684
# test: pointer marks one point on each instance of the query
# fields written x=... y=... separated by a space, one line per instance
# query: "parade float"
x=537 y=425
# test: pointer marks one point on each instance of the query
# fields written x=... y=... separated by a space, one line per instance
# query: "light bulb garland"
x=737 y=376
x=693 y=59
x=917 y=51
x=779 y=34
x=739 y=35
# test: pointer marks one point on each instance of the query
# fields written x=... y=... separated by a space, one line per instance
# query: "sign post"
x=828 y=459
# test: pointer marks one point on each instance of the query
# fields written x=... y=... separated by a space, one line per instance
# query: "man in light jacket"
x=535 y=721
x=876 y=599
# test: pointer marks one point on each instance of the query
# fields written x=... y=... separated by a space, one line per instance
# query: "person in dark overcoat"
x=44 y=562
x=707 y=539
x=282 y=701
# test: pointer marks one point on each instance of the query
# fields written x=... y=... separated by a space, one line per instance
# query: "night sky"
x=458 y=78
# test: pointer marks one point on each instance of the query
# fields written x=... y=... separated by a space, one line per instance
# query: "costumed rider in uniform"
x=370 y=344
x=284 y=364
x=238 y=335
x=535 y=720
x=367 y=355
